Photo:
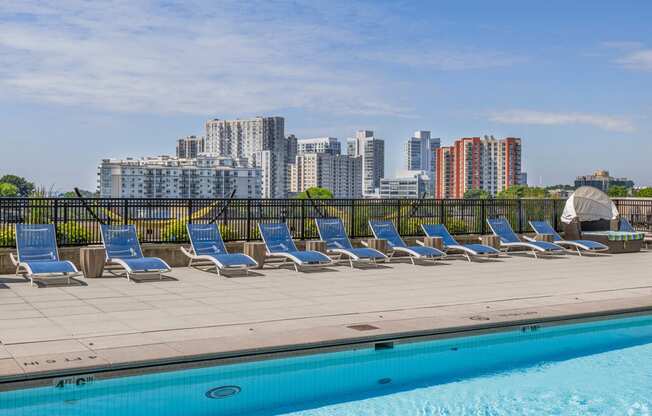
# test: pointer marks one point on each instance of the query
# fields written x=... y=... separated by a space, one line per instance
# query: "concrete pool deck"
x=112 y=324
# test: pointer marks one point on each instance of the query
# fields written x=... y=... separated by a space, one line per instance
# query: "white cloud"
x=205 y=57
x=605 y=122
x=136 y=56
x=641 y=60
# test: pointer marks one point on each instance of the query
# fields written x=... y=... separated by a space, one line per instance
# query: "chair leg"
x=468 y=257
x=351 y=262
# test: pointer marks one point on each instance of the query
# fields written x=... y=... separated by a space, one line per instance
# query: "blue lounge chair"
x=279 y=243
x=331 y=231
x=475 y=250
x=37 y=255
x=509 y=239
x=123 y=249
x=543 y=227
x=625 y=225
x=386 y=230
x=207 y=245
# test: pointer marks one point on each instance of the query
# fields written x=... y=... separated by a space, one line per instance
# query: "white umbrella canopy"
x=589 y=204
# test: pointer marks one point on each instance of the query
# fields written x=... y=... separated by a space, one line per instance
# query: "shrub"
x=456 y=226
x=7 y=237
x=73 y=233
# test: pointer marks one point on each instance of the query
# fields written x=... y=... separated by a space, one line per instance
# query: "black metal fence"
x=163 y=220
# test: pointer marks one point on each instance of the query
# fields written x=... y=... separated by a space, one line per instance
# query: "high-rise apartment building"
x=372 y=151
x=330 y=145
x=404 y=187
x=477 y=163
x=190 y=147
x=339 y=173
x=261 y=141
x=170 y=177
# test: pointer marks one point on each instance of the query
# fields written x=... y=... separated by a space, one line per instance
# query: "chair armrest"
x=420 y=243
x=364 y=243
x=530 y=239
x=14 y=258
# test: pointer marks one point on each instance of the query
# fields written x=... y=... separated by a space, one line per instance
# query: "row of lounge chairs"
x=37 y=253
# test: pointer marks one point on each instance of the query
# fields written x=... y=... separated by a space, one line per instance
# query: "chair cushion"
x=310 y=256
x=546 y=245
x=235 y=259
x=145 y=264
x=481 y=248
x=366 y=253
x=426 y=251
x=46 y=267
x=593 y=245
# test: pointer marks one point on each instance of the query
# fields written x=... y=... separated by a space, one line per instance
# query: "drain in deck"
x=363 y=327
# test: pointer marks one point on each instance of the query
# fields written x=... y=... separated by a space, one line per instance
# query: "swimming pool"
x=600 y=367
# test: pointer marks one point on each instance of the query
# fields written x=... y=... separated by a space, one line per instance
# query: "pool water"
x=598 y=368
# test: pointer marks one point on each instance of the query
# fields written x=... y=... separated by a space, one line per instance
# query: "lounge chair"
x=387 y=231
x=509 y=239
x=279 y=243
x=543 y=227
x=331 y=231
x=625 y=225
x=37 y=255
x=123 y=249
x=207 y=245
x=468 y=250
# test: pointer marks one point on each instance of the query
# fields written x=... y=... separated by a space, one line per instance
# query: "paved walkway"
x=110 y=322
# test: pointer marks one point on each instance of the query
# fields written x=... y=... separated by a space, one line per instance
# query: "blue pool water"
x=600 y=368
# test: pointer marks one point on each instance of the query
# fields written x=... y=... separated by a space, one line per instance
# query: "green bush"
x=73 y=233
x=456 y=226
x=7 y=237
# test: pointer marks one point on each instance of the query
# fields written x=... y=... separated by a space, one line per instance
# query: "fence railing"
x=164 y=220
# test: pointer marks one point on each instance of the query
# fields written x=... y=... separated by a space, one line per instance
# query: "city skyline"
x=80 y=85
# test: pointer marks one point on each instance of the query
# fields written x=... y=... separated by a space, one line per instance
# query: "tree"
x=644 y=193
x=617 y=191
x=24 y=186
x=476 y=194
x=316 y=192
x=84 y=194
x=523 y=191
x=8 y=189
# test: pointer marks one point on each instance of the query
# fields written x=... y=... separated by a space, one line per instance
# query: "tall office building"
x=372 y=151
x=190 y=147
x=478 y=163
x=261 y=141
x=603 y=181
x=339 y=173
x=419 y=153
x=170 y=177
x=404 y=187
x=330 y=145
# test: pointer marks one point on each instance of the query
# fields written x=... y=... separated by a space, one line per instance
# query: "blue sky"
x=80 y=81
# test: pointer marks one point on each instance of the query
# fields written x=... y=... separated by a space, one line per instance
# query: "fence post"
x=483 y=216
x=248 y=232
x=189 y=210
x=55 y=216
x=125 y=212
x=442 y=220
x=520 y=216
x=555 y=220
x=352 y=219
x=398 y=216
x=302 y=228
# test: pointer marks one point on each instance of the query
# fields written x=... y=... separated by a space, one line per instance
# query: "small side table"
x=545 y=237
x=256 y=251
x=316 y=245
x=491 y=241
x=434 y=242
x=92 y=261
x=378 y=244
